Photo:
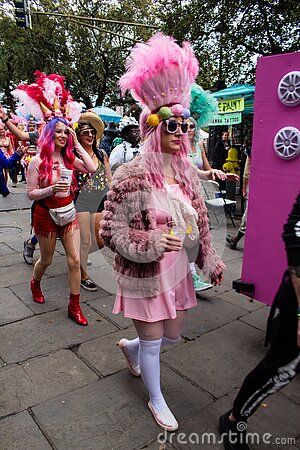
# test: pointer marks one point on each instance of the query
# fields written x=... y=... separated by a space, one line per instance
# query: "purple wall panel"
x=274 y=183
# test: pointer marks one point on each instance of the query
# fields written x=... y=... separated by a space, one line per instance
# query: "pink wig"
x=47 y=147
x=153 y=158
x=160 y=72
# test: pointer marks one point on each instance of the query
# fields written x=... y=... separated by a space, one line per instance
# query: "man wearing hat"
x=130 y=147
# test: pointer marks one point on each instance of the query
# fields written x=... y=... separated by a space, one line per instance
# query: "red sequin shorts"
x=44 y=225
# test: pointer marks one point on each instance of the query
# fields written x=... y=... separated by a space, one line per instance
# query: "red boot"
x=74 y=310
x=37 y=294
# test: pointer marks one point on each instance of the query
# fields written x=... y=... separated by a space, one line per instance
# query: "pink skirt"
x=176 y=293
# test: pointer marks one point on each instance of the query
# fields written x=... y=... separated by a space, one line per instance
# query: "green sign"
x=231 y=105
x=226 y=119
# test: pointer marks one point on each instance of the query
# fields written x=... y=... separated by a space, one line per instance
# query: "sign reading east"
x=231 y=105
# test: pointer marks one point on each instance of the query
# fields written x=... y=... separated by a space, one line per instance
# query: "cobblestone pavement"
x=67 y=387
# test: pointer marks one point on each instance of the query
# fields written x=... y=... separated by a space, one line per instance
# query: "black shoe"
x=231 y=243
x=28 y=252
x=88 y=285
x=234 y=436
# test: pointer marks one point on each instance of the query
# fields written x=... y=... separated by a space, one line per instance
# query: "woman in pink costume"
x=155 y=217
x=51 y=182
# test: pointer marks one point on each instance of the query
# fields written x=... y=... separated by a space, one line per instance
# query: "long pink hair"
x=152 y=155
x=47 y=147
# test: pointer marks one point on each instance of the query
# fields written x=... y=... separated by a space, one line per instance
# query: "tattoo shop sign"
x=226 y=119
x=231 y=105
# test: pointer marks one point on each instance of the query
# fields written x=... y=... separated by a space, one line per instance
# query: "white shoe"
x=164 y=418
x=134 y=369
x=89 y=262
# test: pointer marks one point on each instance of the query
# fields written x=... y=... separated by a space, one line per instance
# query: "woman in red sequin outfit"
x=45 y=186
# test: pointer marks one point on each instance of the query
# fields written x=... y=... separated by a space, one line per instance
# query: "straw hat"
x=90 y=117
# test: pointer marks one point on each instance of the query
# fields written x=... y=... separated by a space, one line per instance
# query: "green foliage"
x=227 y=35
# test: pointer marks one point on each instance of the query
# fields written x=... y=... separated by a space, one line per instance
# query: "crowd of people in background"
x=135 y=187
x=111 y=144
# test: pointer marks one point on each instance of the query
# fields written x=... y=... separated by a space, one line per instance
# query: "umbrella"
x=107 y=114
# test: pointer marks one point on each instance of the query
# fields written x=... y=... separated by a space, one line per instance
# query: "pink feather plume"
x=160 y=72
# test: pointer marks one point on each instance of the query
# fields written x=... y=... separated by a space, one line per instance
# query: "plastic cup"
x=66 y=177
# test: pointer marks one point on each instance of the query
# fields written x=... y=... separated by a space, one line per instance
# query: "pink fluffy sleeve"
x=34 y=191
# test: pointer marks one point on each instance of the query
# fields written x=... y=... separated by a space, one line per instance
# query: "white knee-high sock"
x=132 y=347
x=150 y=370
x=167 y=341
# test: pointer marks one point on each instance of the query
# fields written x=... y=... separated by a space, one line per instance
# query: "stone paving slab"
x=10 y=259
x=208 y=315
x=5 y=250
x=233 y=350
x=265 y=420
x=109 y=359
x=40 y=379
x=14 y=201
x=215 y=291
x=20 y=432
x=16 y=310
x=280 y=418
x=16 y=242
x=112 y=413
x=191 y=434
x=56 y=291
x=45 y=333
x=21 y=273
x=258 y=319
x=241 y=300
x=229 y=255
x=156 y=446
x=292 y=391
x=103 y=353
x=105 y=306
x=234 y=273
x=103 y=277
x=58 y=266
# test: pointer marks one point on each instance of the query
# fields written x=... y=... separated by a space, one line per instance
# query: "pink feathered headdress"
x=160 y=73
x=47 y=98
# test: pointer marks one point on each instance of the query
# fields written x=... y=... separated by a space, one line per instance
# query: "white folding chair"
x=215 y=204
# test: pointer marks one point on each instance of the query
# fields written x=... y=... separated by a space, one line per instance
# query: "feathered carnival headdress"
x=47 y=98
x=203 y=105
x=159 y=76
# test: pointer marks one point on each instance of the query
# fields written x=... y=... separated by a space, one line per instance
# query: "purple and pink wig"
x=46 y=146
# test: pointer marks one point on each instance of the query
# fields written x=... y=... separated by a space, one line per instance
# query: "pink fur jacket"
x=129 y=229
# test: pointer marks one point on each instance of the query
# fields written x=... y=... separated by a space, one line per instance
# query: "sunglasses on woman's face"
x=172 y=126
x=88 y=133
x=191 y=126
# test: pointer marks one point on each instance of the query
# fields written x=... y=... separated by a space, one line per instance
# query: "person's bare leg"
x=47 y=247
x=71 y=243
x=84 y=219
x=173 y=328
x=95 y=225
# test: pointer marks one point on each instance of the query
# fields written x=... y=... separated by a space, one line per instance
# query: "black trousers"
x=282 y=361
